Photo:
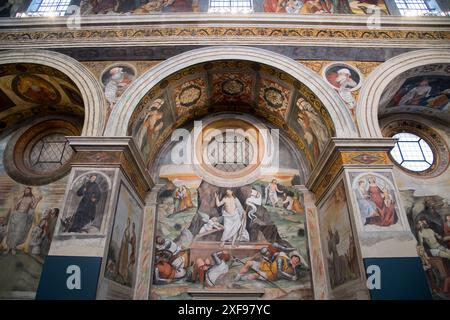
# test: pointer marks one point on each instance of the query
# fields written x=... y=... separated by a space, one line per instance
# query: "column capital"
x=113 y=152
x=348 y=152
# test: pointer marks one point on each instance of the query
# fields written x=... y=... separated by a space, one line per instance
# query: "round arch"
x=381 y=77
x=118 y=121
x=90 y=88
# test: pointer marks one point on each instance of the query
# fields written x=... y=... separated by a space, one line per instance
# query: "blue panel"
x=69 y=278
x=401 y=278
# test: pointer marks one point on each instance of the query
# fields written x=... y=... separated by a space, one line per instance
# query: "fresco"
x=344 y=79
x=28 y=216
x=86 y=203
x=307 y=121
x=337 y=238
x=430 y=92
x=378 y=204
x=429 y=219
x=324 y=6
x=274 y=97
x=33 y=88
x=269 y=6
x=249 y=236
x=122 y=253
x=29 y=90
x=151 y=122
x=231 y=85
x=116 y=80
x=5 y=101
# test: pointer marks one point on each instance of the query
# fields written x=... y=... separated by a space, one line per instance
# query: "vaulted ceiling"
x=423 y=90
x=234 y=86
x=30 y=90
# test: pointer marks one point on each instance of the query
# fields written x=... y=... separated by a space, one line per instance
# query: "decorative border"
x=171 y=33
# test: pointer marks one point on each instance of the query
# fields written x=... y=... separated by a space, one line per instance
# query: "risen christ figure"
x=233 y=218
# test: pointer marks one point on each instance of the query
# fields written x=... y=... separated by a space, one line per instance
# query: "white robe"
x=232 y=224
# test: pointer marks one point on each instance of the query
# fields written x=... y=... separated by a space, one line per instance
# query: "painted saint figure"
x=288 y=201
x=366 y=207
x=117 y=83
x=345 y=81
x=123 y=253
x=151 y=124
x=234 y=218
x=184 y=199
x=314 y=129
x=429 y=237
x=272 y=192
x=39 y=232
x=376 y=204
x=384 y=203
x=416 y=94
x=21 y=220
x=86 y=211
x=252 y=203
x=132 y=260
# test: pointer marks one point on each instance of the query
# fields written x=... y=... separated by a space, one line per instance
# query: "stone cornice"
x=262 y=19
x=113 y=151
x=341 y=152
x=114 y=31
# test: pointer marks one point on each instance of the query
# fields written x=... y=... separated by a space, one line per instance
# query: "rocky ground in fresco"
x=290 y=227
x=19 y=272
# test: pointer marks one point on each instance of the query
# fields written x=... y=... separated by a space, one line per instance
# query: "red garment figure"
x=273 y=6
x=384 y=202
x=376 y=194
x=388 y=217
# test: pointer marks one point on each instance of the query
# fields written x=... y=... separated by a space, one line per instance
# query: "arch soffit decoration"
x=119 y=120
x=380 y=79
x=90 y=88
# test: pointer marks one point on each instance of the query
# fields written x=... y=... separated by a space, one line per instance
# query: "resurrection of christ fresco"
x=250 y=236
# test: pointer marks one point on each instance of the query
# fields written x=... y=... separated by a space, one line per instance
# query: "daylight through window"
x=233 y=6
x=414 y=7
x=48 y=8
x=412 y=152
